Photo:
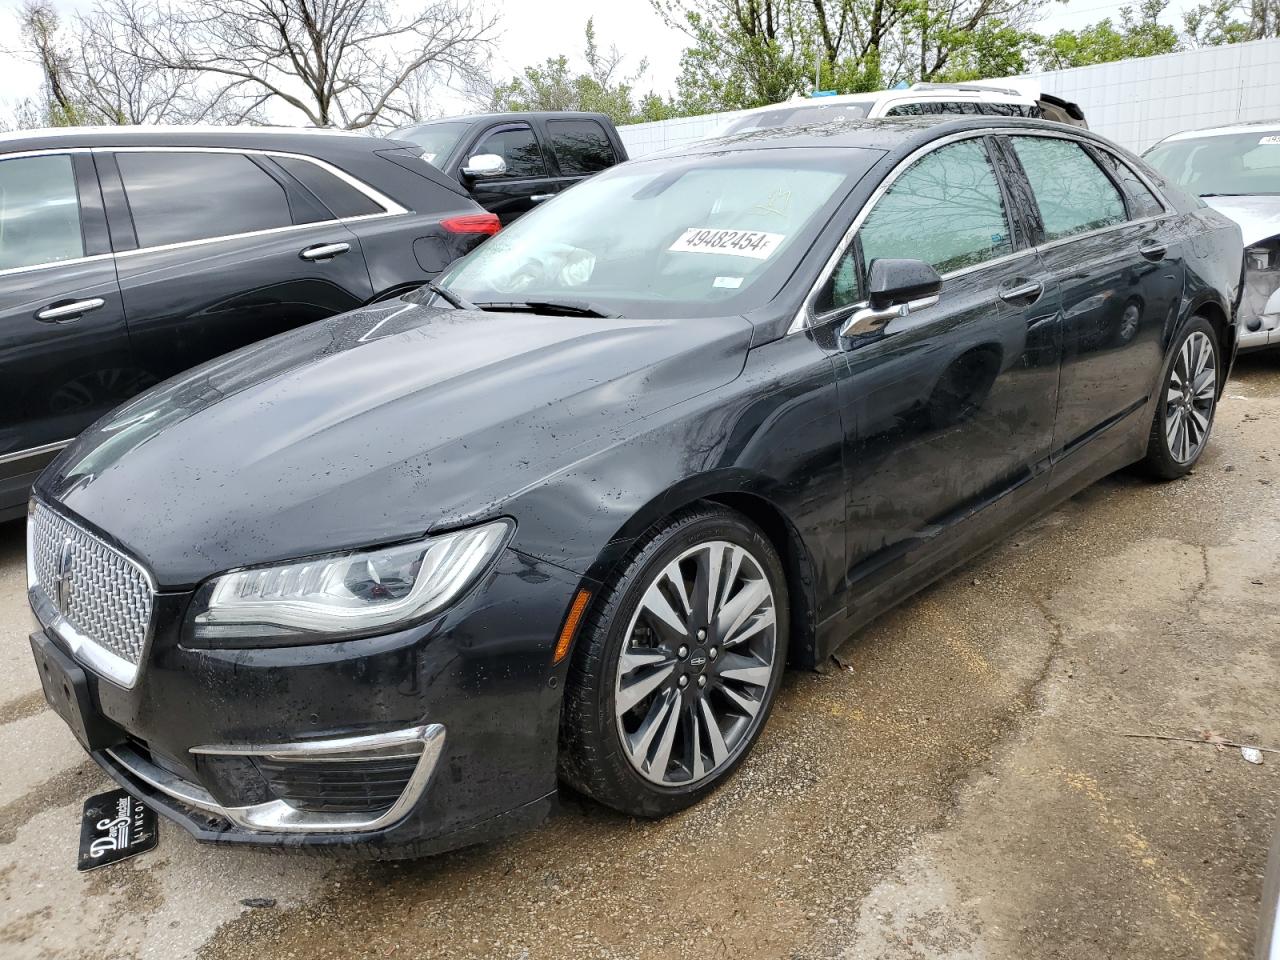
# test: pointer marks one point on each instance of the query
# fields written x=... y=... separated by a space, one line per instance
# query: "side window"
x=945 y=210
x=39 y=212
x=580 y=146
x=516 y=145
x=844 y=287
x=1141 y=198
x=176 y=197
x=1073 y=194
x=336 y=194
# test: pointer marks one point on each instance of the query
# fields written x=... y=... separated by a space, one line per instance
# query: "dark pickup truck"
x=511 y=162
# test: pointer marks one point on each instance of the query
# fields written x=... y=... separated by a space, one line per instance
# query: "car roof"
x=302 y=139
x=513 y=116
x=1249 y=126
x=885 y=134
x=917 y=92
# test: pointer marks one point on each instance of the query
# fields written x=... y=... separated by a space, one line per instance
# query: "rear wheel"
x=1187 y=403
x=678 y=665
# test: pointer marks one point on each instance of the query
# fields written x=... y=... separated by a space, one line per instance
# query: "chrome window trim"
x=805 y=315
x=277 y=816
x=1143 y=178
x=34 y=451
x=390 y=207
x=84 y=648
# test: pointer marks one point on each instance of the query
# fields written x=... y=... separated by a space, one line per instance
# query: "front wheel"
x=677 y=666
x=1187 y=403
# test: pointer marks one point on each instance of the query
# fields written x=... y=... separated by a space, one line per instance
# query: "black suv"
x=511 y=162
x=129 y=255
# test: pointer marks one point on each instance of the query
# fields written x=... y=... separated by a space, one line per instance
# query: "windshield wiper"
x=562 y=308
x=449 y=297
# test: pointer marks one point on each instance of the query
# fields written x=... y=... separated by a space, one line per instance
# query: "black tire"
x=1162 y=462
x=592 y=757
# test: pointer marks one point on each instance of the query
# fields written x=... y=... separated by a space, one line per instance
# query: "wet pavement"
x=960 y=784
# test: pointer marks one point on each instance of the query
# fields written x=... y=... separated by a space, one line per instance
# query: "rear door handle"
x=1153 y=251
x=539 y=197
x=324 y=251
x=62 y=312
x=1028 y=292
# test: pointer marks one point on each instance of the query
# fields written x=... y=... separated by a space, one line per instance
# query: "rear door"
x=64 y=348
x=1115 y=257
x=581 y=148
x=218 y=248
x=528 y=180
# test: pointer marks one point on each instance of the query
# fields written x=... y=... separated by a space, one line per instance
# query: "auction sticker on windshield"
x=735 y=243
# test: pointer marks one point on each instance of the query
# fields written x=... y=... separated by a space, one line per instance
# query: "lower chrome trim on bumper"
x=277 y=816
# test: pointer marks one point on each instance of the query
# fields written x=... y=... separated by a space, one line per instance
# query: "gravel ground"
x=958 y=785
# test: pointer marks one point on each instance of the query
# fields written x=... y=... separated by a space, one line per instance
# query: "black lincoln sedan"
x=383 y=582
x=130 y=254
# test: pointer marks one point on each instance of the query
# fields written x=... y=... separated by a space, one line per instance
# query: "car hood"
x=373 y=426
x=1259 y=217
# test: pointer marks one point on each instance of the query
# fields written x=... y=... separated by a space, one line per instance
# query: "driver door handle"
x=63 y=312
x=324 y=251
x=539 y=197
x=1154 y=250
x=1028 y=292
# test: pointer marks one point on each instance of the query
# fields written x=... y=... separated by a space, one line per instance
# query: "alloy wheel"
x=1189 y=398
x=696 y=664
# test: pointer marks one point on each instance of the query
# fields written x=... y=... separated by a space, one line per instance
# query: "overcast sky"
x=529 y=35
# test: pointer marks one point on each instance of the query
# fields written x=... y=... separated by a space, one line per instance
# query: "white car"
x=1236 y=170
x=916 y=100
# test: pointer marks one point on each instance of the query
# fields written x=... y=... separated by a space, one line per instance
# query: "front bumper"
x=1260 y=310
x=398 y=745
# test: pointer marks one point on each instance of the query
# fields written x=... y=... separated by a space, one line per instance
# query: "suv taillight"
x=486 y=223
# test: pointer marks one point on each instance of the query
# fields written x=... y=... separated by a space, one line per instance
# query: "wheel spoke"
x=719 y=752
x=745 y=704
x=639 y=742
x=1203 y=388
x=629 y=694
x=748 y=671
x=707 y=585
x=662 y=755
x=655 y=603
x=675 y=576
x=735 y=613
x=1173 y=422
x=695 y=749
x=762 y=620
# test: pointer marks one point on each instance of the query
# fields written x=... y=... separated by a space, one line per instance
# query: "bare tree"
x=41 y=29
x=349 y=63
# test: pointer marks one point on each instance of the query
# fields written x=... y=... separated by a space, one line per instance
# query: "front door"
x=65 y=358
x=950 y=409
x=528 y=180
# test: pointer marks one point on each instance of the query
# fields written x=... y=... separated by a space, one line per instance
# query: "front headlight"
x=328 y=598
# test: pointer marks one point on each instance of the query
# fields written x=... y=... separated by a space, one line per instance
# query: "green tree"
x=602 y=88
x=1222 y=21
x=1139 y=34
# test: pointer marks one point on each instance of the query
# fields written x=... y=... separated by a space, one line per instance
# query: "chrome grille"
x=104 y=597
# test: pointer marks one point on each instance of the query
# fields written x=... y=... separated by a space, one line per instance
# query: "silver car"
x=1236 y=170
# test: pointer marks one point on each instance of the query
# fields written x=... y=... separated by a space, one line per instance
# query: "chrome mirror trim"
x=868 y=320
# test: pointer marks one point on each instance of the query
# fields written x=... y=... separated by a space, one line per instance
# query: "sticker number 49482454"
x=735 y=243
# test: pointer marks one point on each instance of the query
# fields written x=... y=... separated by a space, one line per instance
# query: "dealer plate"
x=115 y=826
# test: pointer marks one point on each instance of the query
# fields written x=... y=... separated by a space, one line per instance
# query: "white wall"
x=1134 y=102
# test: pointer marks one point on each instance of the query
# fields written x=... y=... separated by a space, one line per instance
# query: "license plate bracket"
x=66 y=688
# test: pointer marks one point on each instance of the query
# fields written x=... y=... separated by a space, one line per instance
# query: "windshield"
x=436 y=139
x=793 y=115
x=1236 y=164
x=681 y=237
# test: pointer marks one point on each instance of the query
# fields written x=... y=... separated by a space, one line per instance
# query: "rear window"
x=580 y=146
x=795 y=116
x=437 y=140
x=925 y=108
x=336 y=194
x=180 y=196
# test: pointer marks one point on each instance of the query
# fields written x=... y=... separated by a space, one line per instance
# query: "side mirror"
x=894 y=289
x=890 y=282
x=484 y=165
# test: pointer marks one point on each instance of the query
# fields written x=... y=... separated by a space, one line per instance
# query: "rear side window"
x=335 y=193
x=946 y=210
x=177 y=197
x=1141 y=199
x=1073 y=193
x=39 y=212
x=580 y=146
x=517 y=145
